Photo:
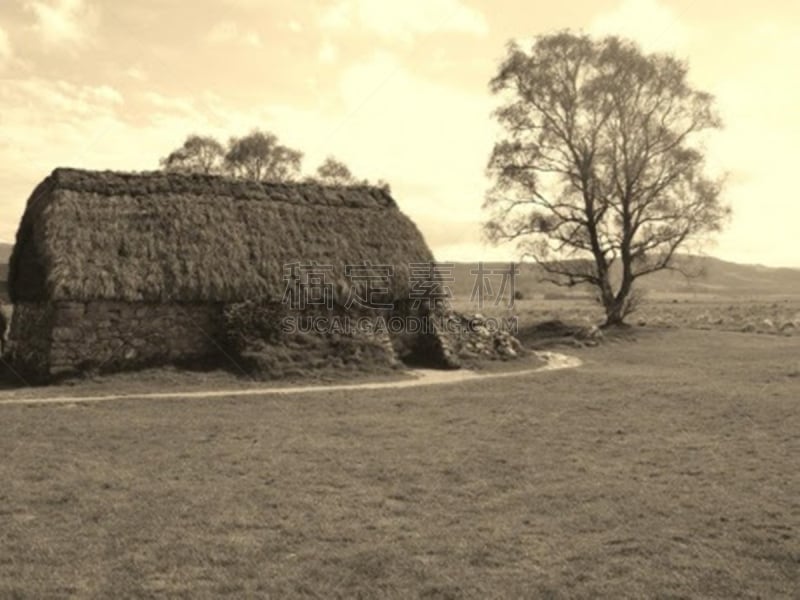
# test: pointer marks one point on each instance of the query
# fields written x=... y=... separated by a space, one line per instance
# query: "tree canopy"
x=335 y=172
x=199 y=154
x=601 y=163
x=260 y=156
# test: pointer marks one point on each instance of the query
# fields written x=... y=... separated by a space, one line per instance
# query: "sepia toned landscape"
x=619 y=478
x=431 y=299
x=662 y=467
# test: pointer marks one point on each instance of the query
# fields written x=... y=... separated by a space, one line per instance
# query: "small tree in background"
x=198 y=154
x=334 y=172
x=258 y=156
x=599 y=165
x=261 y=157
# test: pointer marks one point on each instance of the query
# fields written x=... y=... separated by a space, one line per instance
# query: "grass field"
x=664 y=467
x=777 y=316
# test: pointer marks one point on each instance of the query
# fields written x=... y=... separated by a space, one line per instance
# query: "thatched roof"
x=196 y=238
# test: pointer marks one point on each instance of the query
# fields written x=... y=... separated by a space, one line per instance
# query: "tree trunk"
x=614 y=314
x=616 y=309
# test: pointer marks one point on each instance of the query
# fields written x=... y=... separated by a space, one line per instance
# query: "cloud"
x=169 y=104
x=49 y=123
x=5 y=47
x=649 y=22
x=328 y=53
x=430 y=141
x=758 y=145
x=404 y=20
x=338 y=16
x=57 y=99
x=226 y=32
x=248 y=4
x=294 y=26
x=137 y=73
x=418 y=130
x=62 y=22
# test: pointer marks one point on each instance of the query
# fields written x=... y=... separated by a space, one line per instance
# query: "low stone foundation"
x=29 y=338
x=460 y=339
x=270 y=342
x=48 y=340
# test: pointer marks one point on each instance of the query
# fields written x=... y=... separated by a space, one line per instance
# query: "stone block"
x=70 y=313
x=59 y=355
x=61 y=334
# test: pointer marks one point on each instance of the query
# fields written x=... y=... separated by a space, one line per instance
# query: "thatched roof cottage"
x=114 y=270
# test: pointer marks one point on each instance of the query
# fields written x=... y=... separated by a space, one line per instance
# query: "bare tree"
x=334 y=172
x=261 y=157
x=198 y=154
x=600 y=163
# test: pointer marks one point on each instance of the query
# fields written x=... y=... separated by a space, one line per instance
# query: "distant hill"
x=5 y=252
x=727 y=278
x=714 y=277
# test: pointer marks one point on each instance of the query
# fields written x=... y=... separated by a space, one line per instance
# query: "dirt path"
x=421 y=377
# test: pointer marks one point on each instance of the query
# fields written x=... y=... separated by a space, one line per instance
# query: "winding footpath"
x=421 y=377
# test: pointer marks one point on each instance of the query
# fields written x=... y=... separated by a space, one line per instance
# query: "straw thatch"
x=163 y=237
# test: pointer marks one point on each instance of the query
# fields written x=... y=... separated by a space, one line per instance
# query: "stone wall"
x=460 y=339
x=270 y=341
x=29 y=338
x=48 y=340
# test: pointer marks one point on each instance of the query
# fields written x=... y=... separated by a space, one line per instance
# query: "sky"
x=396 y=90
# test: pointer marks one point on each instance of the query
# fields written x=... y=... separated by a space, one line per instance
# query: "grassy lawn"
x=665 y=467
x=776 y=316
